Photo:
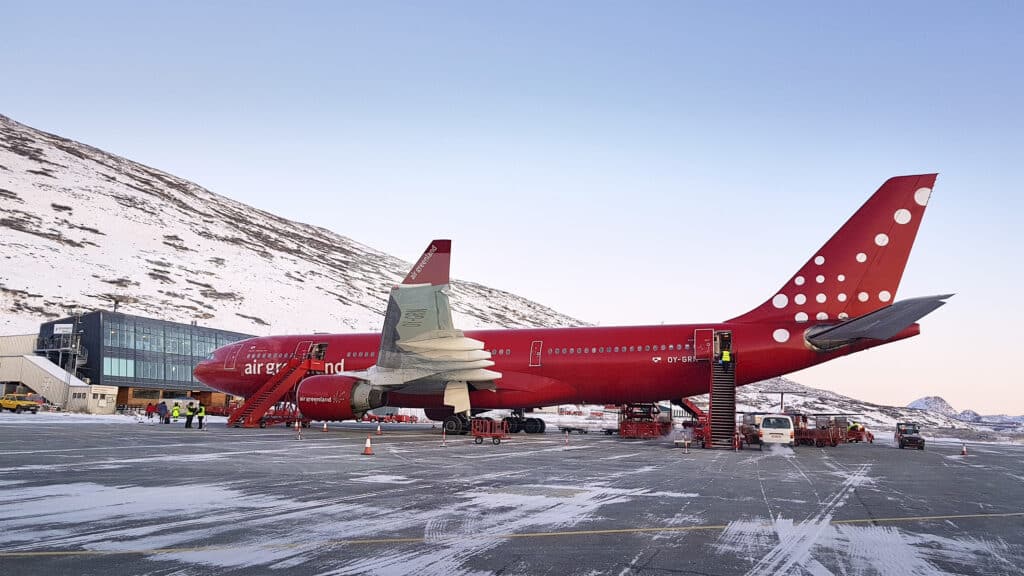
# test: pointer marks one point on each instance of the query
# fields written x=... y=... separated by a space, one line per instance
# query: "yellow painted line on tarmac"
x=421 y=540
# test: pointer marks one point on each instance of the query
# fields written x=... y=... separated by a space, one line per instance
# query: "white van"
x=777 y=429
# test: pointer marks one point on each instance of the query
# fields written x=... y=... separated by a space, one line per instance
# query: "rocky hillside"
x=83 y=229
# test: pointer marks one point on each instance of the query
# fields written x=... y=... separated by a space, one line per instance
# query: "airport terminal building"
x=143 y=359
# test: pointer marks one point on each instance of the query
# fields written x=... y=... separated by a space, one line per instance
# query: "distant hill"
x=935 y=404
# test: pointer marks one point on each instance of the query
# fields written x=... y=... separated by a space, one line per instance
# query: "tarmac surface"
x=111 y=496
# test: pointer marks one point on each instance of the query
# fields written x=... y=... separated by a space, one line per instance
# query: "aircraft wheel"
x=453 y=425
x=543 y=426
x=263 y=423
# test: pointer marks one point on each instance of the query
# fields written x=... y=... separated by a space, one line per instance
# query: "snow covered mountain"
x=939 y=405
x=82 y=229
x=935 y=404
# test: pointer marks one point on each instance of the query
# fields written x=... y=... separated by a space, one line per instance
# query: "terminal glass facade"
x=144 y=354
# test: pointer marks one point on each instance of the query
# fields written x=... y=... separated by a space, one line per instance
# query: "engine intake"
x=338 y=398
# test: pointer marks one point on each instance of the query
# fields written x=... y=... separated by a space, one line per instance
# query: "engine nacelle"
x=338 y=398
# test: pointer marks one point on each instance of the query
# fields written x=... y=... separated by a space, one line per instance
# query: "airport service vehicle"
x=18 y=403
x=777 y=429
x=908 y=435
x=489 y=428
x=839 y=302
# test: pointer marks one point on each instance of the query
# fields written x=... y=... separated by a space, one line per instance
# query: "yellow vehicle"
x=18 y=403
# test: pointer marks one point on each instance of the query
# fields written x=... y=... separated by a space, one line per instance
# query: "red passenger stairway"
x=278 y=388
x=712 y=345
x=722 y=405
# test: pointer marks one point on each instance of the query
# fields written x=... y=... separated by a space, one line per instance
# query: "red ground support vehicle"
x=643 y=421
x=807 y=436
x=488 y=428
x=285 y=413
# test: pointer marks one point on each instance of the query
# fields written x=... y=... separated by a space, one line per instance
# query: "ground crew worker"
x=726 y=359
x=161 y=411
x=190 y=412
x=175 y=411
x=201 y=413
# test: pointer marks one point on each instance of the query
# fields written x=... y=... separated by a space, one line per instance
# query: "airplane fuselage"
x=548 y=366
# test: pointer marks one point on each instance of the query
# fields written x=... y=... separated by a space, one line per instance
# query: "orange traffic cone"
x=368 y=449
x=325 y=427
x=379 y=433
x=963 y=449
x=444 y=438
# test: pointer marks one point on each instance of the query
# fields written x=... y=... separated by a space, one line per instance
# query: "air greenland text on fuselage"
x=271 y=368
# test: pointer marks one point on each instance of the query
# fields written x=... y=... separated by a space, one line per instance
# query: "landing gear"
x=456 y=424
x=518 y=422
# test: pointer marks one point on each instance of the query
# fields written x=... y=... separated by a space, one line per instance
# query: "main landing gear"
x=517 y=422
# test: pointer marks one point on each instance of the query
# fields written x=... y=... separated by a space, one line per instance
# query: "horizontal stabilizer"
x=882 y=324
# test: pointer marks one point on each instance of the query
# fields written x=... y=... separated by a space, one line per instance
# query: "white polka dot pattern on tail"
x=800 y=299
x=862 y=296
x=801 y=317
x=884 y=296
x=820 y=298
x=922 y=195
x=822 y=316
x=781 y=335
x=902 y=216
x=799 y=280
x=862 y=257
x=882 y=239
x=780 y=301
x=819 y=260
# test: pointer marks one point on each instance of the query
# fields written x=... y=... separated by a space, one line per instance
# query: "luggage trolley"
x=489 y=428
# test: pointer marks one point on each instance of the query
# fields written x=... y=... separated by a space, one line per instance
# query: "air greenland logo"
x=271 y=368
x=423 y=261
x=316 y=399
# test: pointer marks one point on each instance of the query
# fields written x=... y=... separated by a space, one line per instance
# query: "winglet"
x=432 y=267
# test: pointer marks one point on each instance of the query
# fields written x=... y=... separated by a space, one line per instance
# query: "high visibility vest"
x=202 y=411
x=726 y=356
x=175 y=411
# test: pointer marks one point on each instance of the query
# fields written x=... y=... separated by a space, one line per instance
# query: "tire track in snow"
x=797 y=540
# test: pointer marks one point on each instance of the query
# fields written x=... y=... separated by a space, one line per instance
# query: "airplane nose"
x=203 y=371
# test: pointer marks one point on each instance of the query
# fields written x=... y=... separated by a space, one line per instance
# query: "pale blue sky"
x=588 y=155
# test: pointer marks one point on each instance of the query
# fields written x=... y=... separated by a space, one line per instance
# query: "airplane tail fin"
x=433 y=266
x=859 y=269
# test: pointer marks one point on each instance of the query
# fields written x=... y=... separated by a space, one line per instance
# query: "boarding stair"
x=279 y=387
x=722 y=404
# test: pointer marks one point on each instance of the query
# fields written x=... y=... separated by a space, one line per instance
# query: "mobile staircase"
x=709 y=345
x=252 y=414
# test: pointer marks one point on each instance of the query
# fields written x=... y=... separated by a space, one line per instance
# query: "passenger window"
x=662 y=347
x=601 y=349
x=508 y=351
x=647 y=348
x=616 y=348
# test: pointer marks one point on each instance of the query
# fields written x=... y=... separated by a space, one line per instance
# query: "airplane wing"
x=419 y=346
x=881 y=324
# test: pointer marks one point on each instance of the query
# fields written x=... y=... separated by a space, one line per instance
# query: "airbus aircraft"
x=839 y=302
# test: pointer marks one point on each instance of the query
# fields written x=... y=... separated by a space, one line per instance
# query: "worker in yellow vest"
x=175 y=412
x=200 y=414
x=726 y=360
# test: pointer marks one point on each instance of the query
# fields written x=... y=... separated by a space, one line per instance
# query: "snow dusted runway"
x=108 y=495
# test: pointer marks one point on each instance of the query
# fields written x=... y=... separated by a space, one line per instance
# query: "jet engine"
x=338 y=397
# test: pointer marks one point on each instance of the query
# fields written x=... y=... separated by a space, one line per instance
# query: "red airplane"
x=839 y=302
